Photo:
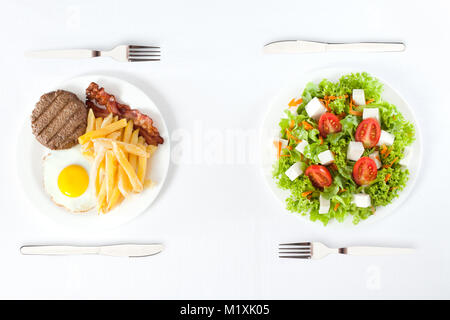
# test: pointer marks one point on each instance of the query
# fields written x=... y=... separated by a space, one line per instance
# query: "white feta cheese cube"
x=406 y=156
x=386 y=138
x=326 y=157
x=375 y=156
x=355 y=150
x=315 y=108
x=358 y=97
x=293 y=110
x=361 y=200
x=324 y=205
x=301 y=146
x=371 y=113
x=294 y=171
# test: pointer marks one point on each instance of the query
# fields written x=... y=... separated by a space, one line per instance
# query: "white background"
x=218 y=219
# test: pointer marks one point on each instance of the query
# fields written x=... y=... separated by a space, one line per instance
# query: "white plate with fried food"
x=115 y=160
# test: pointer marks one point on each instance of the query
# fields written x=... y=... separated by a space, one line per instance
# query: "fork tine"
x=296 y=257
x=143 y=60
x=290 y=250
x=143 y=51
x=142 y=47
x=143 y=55
x=295 y=252
x=296 y=244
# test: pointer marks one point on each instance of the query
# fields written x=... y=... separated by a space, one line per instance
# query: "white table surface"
x=215 y=214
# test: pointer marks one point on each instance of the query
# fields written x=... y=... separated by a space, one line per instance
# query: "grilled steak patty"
x=58 y=119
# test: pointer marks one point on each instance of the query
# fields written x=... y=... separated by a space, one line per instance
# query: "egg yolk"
x=73 y=181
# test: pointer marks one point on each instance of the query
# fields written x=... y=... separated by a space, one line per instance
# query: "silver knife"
x=120 y=250
x=300 y=46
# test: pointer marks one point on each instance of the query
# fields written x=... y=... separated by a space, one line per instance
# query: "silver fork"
x=317 y=250
x=122 y=53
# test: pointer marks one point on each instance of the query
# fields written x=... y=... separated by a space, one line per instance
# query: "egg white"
x=54 y=163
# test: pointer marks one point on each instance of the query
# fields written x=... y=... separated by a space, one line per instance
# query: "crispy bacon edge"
x=145 y=124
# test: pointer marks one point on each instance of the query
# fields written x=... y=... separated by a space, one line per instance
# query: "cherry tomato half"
x=364 y=171
x=368 y=132
x=319 y=176
x=329 y=123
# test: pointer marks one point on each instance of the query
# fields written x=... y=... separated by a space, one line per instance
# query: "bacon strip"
x=95 y=94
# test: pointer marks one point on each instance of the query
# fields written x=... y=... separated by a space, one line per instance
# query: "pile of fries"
x=119 y=156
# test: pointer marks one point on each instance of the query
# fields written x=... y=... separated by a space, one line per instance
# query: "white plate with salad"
x=340 y=148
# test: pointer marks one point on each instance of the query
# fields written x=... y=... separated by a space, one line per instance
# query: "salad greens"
x=391 y=178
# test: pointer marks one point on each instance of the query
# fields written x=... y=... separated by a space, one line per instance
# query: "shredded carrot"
x=290 y=136
x=388 y=152
x=301 y=157
x=289 y=147
x=306 y=193
x=393 y=188
x=387 y=177
x=394 y=117
x=307 y=126
x=351 y=111
x=373 y=209
x=378 y=158
x=341 y=115
x=278 y=149
x=321 y=139
x=390 y=165
x=309 y=197
x=342 y=190
x=294 y=102
x=336 y=206
x=292 y=124
x=326 y=101
x=383 y=149
x=285 y=155
x=370 y=101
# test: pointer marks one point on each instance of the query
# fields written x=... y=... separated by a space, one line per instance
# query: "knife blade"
x=300 y=46
x=120 y=250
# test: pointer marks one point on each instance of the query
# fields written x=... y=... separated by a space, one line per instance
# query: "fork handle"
x=62 y=54
x=374 y=251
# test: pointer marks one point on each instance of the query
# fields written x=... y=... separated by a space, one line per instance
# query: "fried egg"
x=66 y=179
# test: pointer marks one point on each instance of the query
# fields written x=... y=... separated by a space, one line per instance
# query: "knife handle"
x=61 y=54
x=377 y=251
x=366 y=47
x=57 y=250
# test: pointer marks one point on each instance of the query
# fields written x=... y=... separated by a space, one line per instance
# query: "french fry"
x=142 y=163
x=127 y=132
x=134 y=140
x=125 y=164
x=110 y=173
x=98 y=123
x=102 y=131
x=115 y=118
x=107 y=120
x=90 y=121
x=124 y=184
x=106 y=143
x=116 y=198
x=100 y=177
x=94 y=175
x=101 y=198
x=114 y=136
x=151 y=149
